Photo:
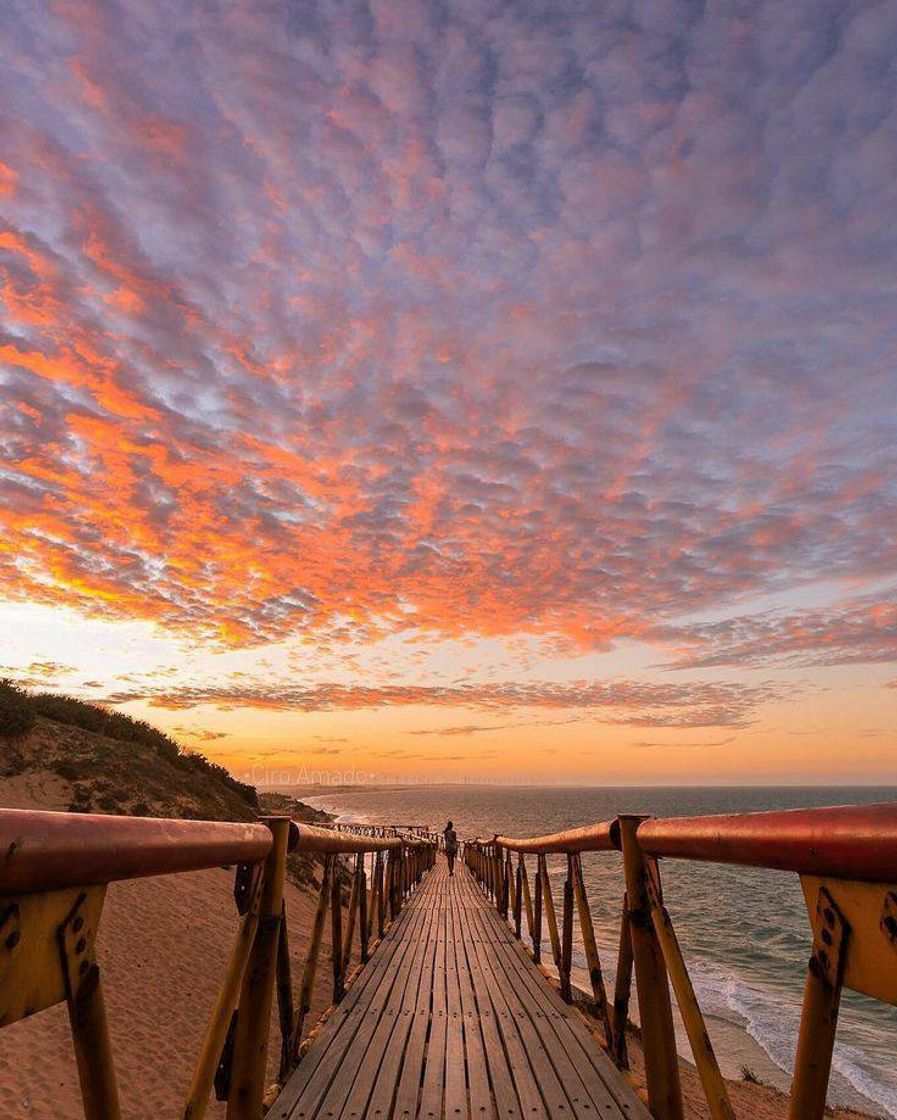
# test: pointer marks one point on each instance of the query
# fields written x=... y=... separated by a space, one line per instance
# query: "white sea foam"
x=772 y=1020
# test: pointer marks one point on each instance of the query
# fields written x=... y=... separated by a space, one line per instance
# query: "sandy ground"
x=163 y=947
x=36 y=789
x=750 y=1101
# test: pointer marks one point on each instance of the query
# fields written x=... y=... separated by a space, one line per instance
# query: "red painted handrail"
x=48 y=851
x=603 y=837
x=846 y=841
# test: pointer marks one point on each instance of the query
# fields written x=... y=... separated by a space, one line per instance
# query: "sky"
x=462 y=390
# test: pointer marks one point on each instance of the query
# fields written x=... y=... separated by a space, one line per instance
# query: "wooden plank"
x=549 y=1032
x=456 y=1105
x=506 y=1103
x=583 y=1049
x=522 y=1076
x=331 y=1044
x=345 y=1076
x=452 y=1021
x=305 y=1090
x=409 y=1081
x=354 y=1090
x=415 y=1010
x=433 y=1088
x=554 y=1099
x=480 y=1101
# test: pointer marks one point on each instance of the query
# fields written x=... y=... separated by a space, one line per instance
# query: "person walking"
x=451 y=846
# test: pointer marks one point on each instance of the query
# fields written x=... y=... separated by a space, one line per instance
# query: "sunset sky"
x=465 y=390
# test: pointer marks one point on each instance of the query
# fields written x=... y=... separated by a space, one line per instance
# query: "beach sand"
x=749 y=1100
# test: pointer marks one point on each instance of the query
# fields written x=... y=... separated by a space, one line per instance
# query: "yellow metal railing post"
x=87 y=1016
x=652 y=984
x=819 y=1018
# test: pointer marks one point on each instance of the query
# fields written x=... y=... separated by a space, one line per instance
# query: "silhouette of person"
x=451 y=846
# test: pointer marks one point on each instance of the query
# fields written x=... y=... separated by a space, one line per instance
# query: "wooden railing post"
x=509 y=893
x=537 y=915
x=518 y=895
x=590 y=946
x=87 y=1017
x=652 y=985
x=377 y=895
x=247 y=1080
x=363 y=928
x=285 y=1007
x=314 y=952
x=622 y=989
x=712 y=1080
x=392 y=883
x=566 y=964
x=351 y=917
x=197 y=1101
x=527 y=903
x=336 y=934
x=550 y=915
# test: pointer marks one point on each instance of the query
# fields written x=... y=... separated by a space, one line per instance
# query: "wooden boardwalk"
x=450 y=1020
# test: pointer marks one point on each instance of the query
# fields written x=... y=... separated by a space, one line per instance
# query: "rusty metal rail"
x=44 y=851
x=54 y=872
x=846 y=858
x=846 y=841
x=603 y=837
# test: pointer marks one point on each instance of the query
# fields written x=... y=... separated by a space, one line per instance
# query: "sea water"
x=744 y=931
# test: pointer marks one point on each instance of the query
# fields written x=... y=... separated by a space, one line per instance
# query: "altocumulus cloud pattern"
x=569 y=320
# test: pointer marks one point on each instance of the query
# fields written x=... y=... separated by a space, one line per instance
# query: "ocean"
x=744 y=931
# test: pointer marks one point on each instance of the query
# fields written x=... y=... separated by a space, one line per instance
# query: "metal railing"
x=54 y=871
x=846 y=858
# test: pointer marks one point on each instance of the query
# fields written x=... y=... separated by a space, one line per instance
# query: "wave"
x=772 y=1020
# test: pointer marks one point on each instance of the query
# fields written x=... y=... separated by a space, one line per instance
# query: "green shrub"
x=116 y=725
x=16 y=712
x=19 y=710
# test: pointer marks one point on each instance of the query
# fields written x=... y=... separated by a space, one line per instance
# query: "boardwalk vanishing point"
x=440 y=1010
x=452 y=1019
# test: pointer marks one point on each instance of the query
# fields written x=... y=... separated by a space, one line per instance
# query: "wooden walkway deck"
x=450 y=1020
